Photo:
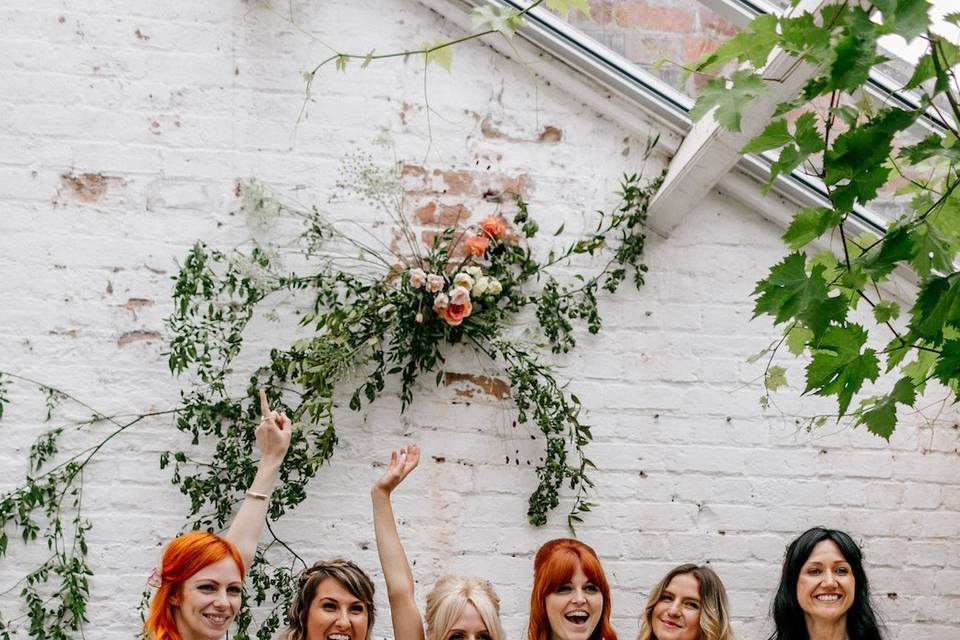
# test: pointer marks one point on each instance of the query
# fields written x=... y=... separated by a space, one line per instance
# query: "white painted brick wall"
x=172 y=103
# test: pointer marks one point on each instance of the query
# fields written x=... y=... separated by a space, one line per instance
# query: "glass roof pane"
x=656 y=35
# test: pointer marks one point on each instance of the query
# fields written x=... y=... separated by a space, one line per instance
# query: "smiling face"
x=676 y=615
x=208 y=601
x=469 y=626
x=336 y=614
x=574 y=608
x=826 y=586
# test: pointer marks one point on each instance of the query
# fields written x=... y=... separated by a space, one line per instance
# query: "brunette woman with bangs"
x=571 y=595
x=200 y=581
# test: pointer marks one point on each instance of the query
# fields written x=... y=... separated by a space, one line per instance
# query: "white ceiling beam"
x=709 y=151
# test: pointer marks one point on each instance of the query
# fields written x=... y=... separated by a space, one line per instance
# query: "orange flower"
x=493 y=226
x=477 y=246
x=454 y=314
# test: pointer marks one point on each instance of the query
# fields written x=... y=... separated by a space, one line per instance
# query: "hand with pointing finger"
x=273 y=433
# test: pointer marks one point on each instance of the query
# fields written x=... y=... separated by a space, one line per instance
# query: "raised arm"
x=273 y=440
x=407 y=623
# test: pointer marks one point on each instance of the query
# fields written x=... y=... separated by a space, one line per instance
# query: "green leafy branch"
x=857 y=149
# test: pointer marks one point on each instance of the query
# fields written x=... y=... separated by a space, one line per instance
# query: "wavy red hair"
x=554 y=566
x=182 y=558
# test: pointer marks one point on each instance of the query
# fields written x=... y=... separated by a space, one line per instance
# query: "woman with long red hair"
x=571 y=595
x=201 y=576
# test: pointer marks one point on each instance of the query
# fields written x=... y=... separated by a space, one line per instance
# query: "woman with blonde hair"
x=458 y=608
x=689 y=603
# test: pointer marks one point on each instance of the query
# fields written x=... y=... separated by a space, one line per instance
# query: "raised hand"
x=273 y=433
x=402 y=462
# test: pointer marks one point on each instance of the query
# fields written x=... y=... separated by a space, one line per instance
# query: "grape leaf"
x=775 y=378
x=881 y=418
x=797 y=339
x=882 y=259
x=932 y=145
x=938 y=305
x=744 y=86
x=563 y=6
x=809 y=224
x=787 y=292
x=932 y=250
x=752 y=44
x=855 y=53
x=802 y=36
x=506 y=21
x=775 y=135
x=948 y=364
x=839 y=367
x=438 y=53
x=858 y=156
x=907 y=18
x=886 y=310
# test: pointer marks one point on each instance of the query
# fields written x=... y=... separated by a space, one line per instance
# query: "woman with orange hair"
x=571 y=595
x=201 y=576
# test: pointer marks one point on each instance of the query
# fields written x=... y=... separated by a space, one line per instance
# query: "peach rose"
x=453 y=314
x=477 y=246
x=493 y=226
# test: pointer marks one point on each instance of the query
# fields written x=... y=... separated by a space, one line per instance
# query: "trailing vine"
x=377 y=319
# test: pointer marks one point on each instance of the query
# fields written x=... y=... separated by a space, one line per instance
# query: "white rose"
x=459 y=295
x=417 y=278
x=480 y=287
x=441 y=301
x=463 y=280
x=474 y=271
x=434 y=283
x=494 y=288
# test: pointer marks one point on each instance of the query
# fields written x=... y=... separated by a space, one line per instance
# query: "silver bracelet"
x=258 y=496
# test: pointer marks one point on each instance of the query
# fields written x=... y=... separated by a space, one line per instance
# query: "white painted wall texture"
x=123 y=128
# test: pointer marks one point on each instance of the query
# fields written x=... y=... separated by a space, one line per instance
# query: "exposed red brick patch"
x=135 y=305
x=488 y=130
x=710 y=21
x=694 y=48
x=460 y=182
x=652 y=18
x=413 y=170
x=452 y=215
x=550 y=135
x=137 y=336
x=493 y=387
x=427 y=213
x=88 y=187
x=447 y=215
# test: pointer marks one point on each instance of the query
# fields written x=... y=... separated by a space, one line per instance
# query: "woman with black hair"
x=823 y=593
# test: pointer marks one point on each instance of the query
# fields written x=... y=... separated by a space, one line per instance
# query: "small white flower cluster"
x=454 y=305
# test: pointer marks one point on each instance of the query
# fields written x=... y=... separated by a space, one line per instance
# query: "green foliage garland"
x=370 y=321
x=858 y=148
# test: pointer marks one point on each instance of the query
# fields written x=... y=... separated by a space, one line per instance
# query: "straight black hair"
x=862 y=622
